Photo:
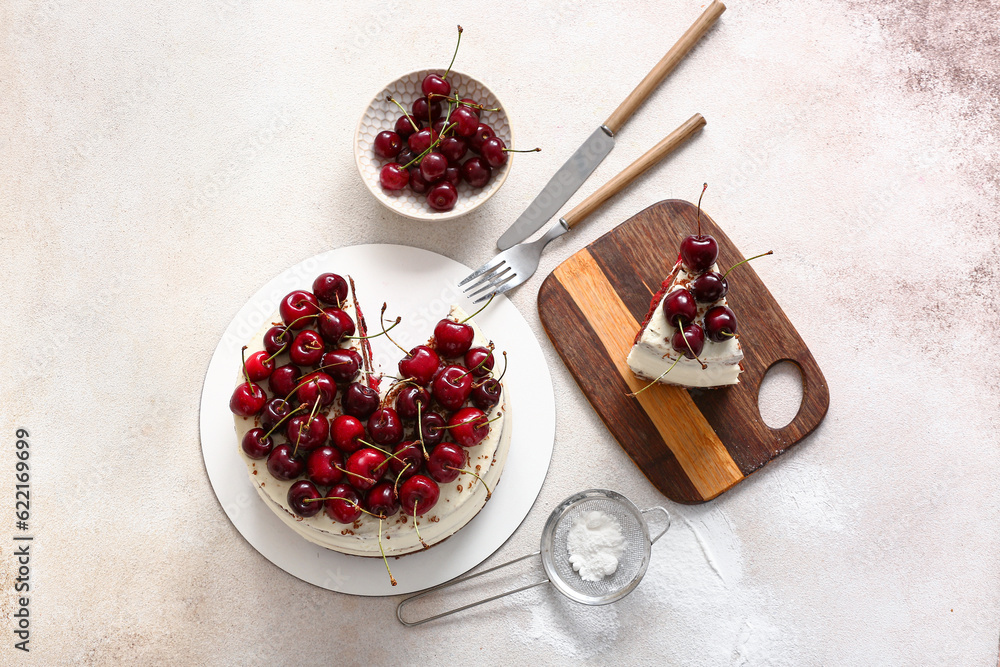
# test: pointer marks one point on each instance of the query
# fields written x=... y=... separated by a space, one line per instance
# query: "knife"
x=584 y=161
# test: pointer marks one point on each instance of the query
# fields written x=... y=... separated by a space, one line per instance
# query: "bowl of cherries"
x=433 y=144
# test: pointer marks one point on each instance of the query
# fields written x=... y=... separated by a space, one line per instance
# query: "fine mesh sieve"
x=555 y=555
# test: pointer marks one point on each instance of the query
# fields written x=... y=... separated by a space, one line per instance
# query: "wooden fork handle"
x=664 y=67
x=631 y=172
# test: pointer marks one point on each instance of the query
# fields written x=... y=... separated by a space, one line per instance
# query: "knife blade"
x=584 y=161
x=560 y=187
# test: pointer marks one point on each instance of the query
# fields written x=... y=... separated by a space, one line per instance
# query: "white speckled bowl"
x=382 y=114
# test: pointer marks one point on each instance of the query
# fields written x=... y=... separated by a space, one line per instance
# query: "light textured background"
x=160 y=161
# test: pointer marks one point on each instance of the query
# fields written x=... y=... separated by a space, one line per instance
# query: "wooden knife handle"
x=631 y=172
x=664 y=67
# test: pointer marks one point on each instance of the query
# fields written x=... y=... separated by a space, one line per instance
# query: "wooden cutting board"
x=692 y=444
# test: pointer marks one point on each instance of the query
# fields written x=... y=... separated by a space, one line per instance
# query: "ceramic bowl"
x=382 y=114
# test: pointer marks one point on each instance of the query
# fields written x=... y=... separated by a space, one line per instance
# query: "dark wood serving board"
x=692 y=444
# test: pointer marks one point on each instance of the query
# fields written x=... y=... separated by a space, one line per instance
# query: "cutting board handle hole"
x=780 y=395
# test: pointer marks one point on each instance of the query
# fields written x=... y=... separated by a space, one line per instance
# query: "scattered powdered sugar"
x=595 y=544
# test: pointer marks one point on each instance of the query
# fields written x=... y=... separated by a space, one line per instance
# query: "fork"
x=515 y=265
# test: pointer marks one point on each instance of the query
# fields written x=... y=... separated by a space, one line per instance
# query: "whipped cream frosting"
x=653 y=354
x=459 y=502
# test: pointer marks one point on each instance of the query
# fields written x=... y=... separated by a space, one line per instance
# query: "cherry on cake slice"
x=688 y=337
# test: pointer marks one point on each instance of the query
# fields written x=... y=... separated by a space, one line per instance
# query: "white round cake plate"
x=420 y=286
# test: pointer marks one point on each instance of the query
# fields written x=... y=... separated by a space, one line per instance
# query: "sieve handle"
x=399 y=608
x=665 y=513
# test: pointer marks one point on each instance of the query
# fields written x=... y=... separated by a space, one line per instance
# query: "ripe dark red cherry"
x=393 y=177
x=322 y=466
x=342 y=503
x=385 y=427
x=720 y=324
x=275 y=410
x=469 y=426
x=334 y=324
x=439 y=126
x=426 y=111
x=418 y=495
x=430 y=426
x=474 y=107
x=453 y=175
x=483 y=132
x=259 y=366
x=408 y=452
x=301 y=491
x=422 y=140
x=476 y=172
x=364 y=468
x=695 y=338
x=709 y=287
x=443 y=460
x=255 y=445
x=453 y=148
x=307 y=433
x=306 y=349
x=277 y=339
x=680 y=305
x=442 y=196
x=296 y=306
x=316 y=387
x=283 y=465
x=248 y=399
x=387 y=144
x=330 y=289
x=453 y=339
x=420 y=364
x=452 y=387
x=346 y=432
x=408 y=398
x=405 y=157
x=360 y=400
x=404 y=128
x=434 y=84
x=486 y=394
x=480 y=361
x=493 y=151
x=381 y=500
x=341 y=365
x=284 y=379
x=699 y=252
x=466 y=122
x=417 y=182
x=432 y=166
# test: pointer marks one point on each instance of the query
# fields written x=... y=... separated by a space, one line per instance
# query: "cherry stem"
x=636 y=393
x=346 y=500
x=477 y=425
x=381 y=318
x=703 y=188
x=246 y=375
x=504 y=366
x=415 y=525
x=301 y=384
x=408 y=117
x=298 y=436
x=420 y=432
x=354 y=474
x=431 y=147
x=463 y=103
x=763 y=254
x=382 y=551
x=282 y=420
x=688 y=343
x=469 y=472
x=384 y=331
x=395 y=485
x=530 y=150
x=492 y=296
x=445 y=75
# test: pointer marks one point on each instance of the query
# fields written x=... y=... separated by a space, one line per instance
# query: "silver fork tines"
x=510 y=268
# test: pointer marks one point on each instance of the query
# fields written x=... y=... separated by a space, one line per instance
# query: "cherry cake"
x=356 y=461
